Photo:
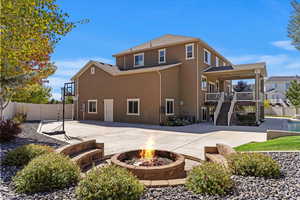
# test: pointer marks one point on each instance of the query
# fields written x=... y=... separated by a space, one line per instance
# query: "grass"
x=278 y=144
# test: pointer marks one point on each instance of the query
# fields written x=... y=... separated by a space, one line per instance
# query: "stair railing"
x=234 y=99
x=218 y=108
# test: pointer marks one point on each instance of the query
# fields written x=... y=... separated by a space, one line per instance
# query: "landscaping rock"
x=287 y=187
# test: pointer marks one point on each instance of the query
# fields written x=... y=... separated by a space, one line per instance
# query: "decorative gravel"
x=286 y=187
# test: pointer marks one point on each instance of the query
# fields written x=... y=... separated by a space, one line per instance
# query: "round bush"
x=209 y=178
x=109 y=182
x=253 y=164
x=23 y=154
x=47 y=172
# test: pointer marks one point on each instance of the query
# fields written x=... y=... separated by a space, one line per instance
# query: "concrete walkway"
x=189 y=140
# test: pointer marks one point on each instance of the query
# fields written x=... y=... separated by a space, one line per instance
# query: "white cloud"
x=280 y=64
x=284 y=44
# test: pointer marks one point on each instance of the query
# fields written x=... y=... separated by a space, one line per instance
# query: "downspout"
x=159 y=74
x=197 y=106
x=77 y=99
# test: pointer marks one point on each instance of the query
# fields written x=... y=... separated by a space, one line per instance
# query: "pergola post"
x=257 y=92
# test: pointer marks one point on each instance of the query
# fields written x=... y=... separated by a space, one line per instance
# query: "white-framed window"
x=207 y=56
x=92 y=106
x=92 y=70
x=204 y=83
x=161 y=56
x=189 y=51
x=139 y=59
x=211 y=87
x=133 y=106
x=169 y=106
x=224 y=64
x=217 y=61
x=217 y=85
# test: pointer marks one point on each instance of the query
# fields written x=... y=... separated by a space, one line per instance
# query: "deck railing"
x=218 y=108
x=212 y=96
x=231 y=108
x=245 y=96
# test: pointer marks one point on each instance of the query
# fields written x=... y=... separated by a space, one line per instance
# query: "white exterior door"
x=108 y=110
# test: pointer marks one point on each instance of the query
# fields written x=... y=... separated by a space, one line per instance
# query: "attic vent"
x=92 y=70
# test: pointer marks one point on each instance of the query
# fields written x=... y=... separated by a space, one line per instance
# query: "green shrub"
x=9 y=130
x=209 y=178
x=109 y=182
x=19 y=118
x=23 y=154
x=176 y=121
x=46 y=172
x=253 y=164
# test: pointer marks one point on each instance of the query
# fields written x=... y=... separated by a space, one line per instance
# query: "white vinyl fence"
x=38 y=111
x=280 y=111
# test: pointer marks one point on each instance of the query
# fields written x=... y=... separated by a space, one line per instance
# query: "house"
x=171 y=75
x=276 y=87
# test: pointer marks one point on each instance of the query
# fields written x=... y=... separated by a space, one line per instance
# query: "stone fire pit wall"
x=173 y=170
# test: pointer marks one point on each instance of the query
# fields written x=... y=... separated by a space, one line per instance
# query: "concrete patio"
x=189 y=140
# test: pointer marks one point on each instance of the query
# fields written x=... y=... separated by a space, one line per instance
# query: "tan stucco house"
x=166 y=76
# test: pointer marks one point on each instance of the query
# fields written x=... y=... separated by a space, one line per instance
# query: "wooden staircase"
x=223 y=115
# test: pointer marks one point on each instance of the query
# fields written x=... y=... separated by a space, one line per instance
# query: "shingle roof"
x=283 y=78
x=115 y=71
x=250 y=66
x=160 y=41
x=220 y=68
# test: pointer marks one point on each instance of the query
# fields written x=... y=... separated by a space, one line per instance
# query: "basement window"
x=133 y=106
x=92 y=106
x=169 y=106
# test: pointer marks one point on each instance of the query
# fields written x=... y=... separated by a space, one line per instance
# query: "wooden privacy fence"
x=39 y=111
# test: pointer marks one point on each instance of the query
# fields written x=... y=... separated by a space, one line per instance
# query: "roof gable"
x=115 y=71
x=164 y=40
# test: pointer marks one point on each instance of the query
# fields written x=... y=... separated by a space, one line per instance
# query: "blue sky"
x=244 y=31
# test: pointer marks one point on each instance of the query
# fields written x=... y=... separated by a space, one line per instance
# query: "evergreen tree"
x=293 y=94
x=294 y=25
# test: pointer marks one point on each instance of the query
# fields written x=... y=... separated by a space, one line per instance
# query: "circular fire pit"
x=163 y=165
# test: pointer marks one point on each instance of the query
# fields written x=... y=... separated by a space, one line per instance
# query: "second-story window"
x=189 y=51
x=161 y=56
x=217 y=61
x=207 y=57
x=139 y=59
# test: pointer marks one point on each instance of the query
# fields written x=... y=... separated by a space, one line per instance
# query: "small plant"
x=23 y=154
x=47 y=172
x=253 y=164
x=176 y=121
x=109 y=182
x=19 y=118
x=209 y=178
x=9 y=130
